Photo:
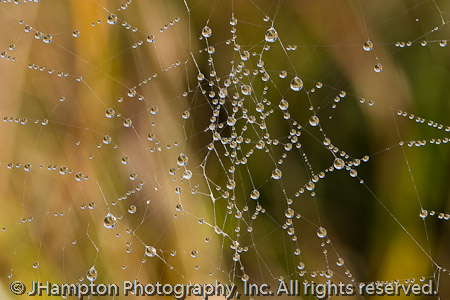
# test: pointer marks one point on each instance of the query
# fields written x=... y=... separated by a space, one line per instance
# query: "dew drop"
x=206 y=31
x=92 y=274
x=150 y=251
x=271 y=35
x=321 y=232
x=112 y=19
x=245 y=55
x=154 y=110
x=368 y=46
x=423 y=214
x=132 y=209
x=110 y=221
x=186 y=114
x=231 y=121
x=254 y=194
x=182 y=160
x=378 y=68
x=246 y=89
x=131 y=93
x=314 y=121
x=289 y=213
x=276 y=174
x=284 y=105
x=296 y=84
x=187 y=174
x=339 y=163
x=47 y=38
x=127 y=123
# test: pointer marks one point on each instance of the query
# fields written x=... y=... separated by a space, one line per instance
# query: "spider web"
x=236 y=141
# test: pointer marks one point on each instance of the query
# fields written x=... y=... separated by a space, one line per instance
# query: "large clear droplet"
x=110 y=112
x=271 y=35
x=92 y=274
x=182 y=160
x=314 y=121
x=246 y=89
x=47 y=38
x=368 y=46
x=150 y=251
x=378 y=68
x=254 y=194
x=276 y=174
x=206 y=31
x=112 y=19
x=110 y=221
x=321 y=232
x=296 y=84
x=339 y=163
x=284 y=105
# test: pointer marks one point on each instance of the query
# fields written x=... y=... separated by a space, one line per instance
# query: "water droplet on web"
x=194 y=253
x=92 y=274
x=79 y=176
x=131 y=93
x=443 y=43
x=231 y=121
x=186 y=114
x=127 y=123
x=76 y=33
x=423 y=214
x=284 y=105
x=110 y=221
x=271 y=35
x=36 y=265
x=206 y=31
x=245 y=55
x=314 y=121
x=246 y=89
x=107 y=140
x=47 y=38
x=368 y=46
x=254 y=194
x=378 y=68
x=187 y=174
x=236 y=256
x=321 y=232
x=150 y=251
x=340 y=262
x=289 y=213
x=296 y=84
x=339 y=163
x=276 y=174
x=231 y=184
x=112 y=19
x=233 y=21
x=182 y=160
x=154 y=110
x=132 y=209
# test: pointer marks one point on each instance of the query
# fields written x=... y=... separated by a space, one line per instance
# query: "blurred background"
x=114 y=143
